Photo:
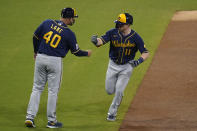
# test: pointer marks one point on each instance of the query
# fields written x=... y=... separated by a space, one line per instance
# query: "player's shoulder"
x=136 y=36
x=113 y=30
x=47 y=21
x=134 y=33
x=68 y=33
x=44 y=23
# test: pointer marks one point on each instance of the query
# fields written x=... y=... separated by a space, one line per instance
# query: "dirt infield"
x=167 y=97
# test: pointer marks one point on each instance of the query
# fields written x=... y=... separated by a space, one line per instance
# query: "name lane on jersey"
x=56 y=28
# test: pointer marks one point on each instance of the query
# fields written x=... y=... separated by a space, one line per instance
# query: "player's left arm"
x=145 y=55
x=144 y=52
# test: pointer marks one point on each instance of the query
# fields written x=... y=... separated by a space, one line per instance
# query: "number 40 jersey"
x=54 y=38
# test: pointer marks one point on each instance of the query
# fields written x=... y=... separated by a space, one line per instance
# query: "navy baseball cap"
x=69 y=13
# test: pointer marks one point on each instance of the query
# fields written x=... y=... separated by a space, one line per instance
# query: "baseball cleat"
x=30 y=123
x=111 y=118
x=52 y=124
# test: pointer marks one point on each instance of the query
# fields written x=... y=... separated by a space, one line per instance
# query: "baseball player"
x=124 y=43
x=52 y=40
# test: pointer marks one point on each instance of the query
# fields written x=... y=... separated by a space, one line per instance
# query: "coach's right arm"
x=74 y=47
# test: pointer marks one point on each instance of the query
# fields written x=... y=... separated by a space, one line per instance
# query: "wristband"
x=141 y=60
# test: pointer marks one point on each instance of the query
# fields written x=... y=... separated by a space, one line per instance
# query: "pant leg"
x=111 y=79
x=54 y=81
x=123 y=79
x=38 y=87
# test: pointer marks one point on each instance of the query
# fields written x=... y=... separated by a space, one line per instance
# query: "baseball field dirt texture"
x=167 y=97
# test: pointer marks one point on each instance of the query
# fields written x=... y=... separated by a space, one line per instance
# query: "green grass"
x=82 y=103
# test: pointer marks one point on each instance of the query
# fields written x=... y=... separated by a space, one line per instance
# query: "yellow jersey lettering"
x=60 y=30
x=56 y=28
x=128 y=44
x=52 y=26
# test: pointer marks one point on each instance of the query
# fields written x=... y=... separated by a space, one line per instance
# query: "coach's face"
x=72 y=21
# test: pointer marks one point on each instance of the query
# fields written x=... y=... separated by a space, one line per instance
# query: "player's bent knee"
x=110 y=91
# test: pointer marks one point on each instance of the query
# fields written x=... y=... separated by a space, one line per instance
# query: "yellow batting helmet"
x=124 y=18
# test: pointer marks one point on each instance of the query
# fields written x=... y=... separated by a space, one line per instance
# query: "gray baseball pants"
x=117 y=78
x=47 y=69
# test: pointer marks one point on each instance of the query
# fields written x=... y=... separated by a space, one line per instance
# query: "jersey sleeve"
x=73 y=43
x=74 y=47
x=140 y=44
x=38 y=31
x=107 y=37
x=37 y=36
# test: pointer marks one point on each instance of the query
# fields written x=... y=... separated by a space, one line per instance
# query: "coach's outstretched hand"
x=94 y=40
x=89 y=53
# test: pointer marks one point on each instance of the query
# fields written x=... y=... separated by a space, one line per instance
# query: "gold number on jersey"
x=127 y=51
x=47 y=37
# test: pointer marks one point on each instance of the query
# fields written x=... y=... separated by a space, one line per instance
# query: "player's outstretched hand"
x=89 y=53
x=94 y=40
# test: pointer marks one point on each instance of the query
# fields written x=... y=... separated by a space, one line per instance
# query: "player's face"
x=122 y=28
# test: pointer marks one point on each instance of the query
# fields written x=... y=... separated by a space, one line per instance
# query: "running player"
x=124 y=43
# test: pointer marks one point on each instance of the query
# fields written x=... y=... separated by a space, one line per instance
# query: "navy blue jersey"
x=123 y=48
x=54 y=38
